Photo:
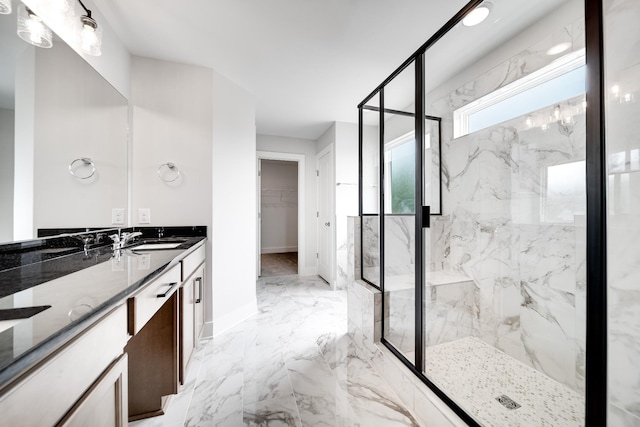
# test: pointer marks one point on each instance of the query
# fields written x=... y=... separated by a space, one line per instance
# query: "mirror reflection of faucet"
x=125 y=237
x=120 y=241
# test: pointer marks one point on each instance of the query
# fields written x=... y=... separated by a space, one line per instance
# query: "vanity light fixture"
x=5 y=7
x=477 y=15
x=32 y=30
x=91 y=34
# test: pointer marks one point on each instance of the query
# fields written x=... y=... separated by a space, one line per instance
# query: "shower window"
x=400 y=188
x=565 y=192
x=563 y=79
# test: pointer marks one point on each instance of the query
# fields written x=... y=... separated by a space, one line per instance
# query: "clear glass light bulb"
x=36 y=30
x=31 y=29
x=5 y=7
x=90 y=40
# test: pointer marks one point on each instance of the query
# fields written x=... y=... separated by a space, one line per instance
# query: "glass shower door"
x=399 y=219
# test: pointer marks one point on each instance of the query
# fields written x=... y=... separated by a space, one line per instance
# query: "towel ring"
x=76 y=165
x=167 y=170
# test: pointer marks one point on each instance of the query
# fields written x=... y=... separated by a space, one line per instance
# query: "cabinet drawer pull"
x=199 y=280
x=171 y=286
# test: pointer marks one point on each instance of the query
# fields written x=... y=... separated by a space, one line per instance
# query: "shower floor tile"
x=474 y=374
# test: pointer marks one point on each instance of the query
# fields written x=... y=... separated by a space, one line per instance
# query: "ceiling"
x=307 y=62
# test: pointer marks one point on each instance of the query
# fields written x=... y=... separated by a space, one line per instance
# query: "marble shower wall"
x=505 y=226
x=622 y=71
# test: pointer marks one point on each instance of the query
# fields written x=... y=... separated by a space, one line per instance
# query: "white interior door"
x=325 y=215
x=259 y=218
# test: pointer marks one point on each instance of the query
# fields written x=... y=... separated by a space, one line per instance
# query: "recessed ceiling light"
x=559 y=48
x=477 y=15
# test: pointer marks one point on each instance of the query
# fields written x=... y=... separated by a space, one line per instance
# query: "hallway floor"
x=292 y=364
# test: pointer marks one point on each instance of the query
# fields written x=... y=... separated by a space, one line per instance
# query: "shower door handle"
x=426 y=216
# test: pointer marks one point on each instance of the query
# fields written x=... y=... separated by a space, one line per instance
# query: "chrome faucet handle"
x=129 y=236
x=115 y=238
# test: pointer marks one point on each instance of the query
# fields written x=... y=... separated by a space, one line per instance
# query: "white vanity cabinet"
x=191 y=297
x=71 y=383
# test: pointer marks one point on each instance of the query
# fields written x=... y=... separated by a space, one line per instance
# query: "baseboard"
x=308 y=271
x=207 y=331
x=230 y=320
x=280 y=250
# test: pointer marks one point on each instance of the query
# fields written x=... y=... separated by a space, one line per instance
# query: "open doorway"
x=278 y=217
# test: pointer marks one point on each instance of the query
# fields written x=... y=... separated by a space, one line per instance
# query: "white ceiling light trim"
x=477 y=15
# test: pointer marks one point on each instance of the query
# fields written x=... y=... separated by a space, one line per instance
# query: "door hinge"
x=317 y=255
x=317 y=214
x=259 y=173
x=317 y=172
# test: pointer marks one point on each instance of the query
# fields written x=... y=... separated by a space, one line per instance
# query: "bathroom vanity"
x=95 y=334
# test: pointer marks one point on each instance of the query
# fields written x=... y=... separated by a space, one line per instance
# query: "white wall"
x=307 y=148
x=7 y=118
x=172 y=121
x=346 y=170
x=279 y=206
x=234 y=204
x=172 y=110
x=24 y=146
x=344 y=137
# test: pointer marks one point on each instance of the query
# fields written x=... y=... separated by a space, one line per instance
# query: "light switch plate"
x=144 y=262
x=144 y=216
x=117 y=216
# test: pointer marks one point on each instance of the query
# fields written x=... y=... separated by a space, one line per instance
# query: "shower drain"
x=507 y=402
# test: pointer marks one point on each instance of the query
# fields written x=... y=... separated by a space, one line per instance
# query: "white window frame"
x=557 y=68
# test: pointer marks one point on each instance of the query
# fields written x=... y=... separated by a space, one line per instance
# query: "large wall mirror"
x=63 y=139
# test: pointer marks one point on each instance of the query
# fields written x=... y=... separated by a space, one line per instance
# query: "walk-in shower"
x=482 y=194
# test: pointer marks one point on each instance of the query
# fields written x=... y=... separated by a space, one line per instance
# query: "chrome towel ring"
x=168 y=172
x=77 y=167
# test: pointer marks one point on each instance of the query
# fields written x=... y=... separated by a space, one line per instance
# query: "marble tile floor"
x=292 y=364
x=280 y=264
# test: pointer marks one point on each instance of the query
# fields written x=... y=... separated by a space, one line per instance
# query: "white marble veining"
x=506 y=228
x=371 y=249
x=622 y=72
x=292 y=364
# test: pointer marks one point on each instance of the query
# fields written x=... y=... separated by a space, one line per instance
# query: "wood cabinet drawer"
x=145 y=304
x=46 y=394
x=192 y=261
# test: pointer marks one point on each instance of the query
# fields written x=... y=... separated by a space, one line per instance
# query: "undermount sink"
x=156 y=246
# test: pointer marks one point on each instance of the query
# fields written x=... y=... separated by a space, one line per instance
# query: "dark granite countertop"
x=60 y=297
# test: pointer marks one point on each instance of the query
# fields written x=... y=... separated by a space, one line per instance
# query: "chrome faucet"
x=120 y=240
x=124 y=239
x=117 y=245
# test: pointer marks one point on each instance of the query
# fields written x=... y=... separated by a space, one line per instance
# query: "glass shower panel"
x=399 y=213
x=371 y=191
x=622 y=103
x=504 y=306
